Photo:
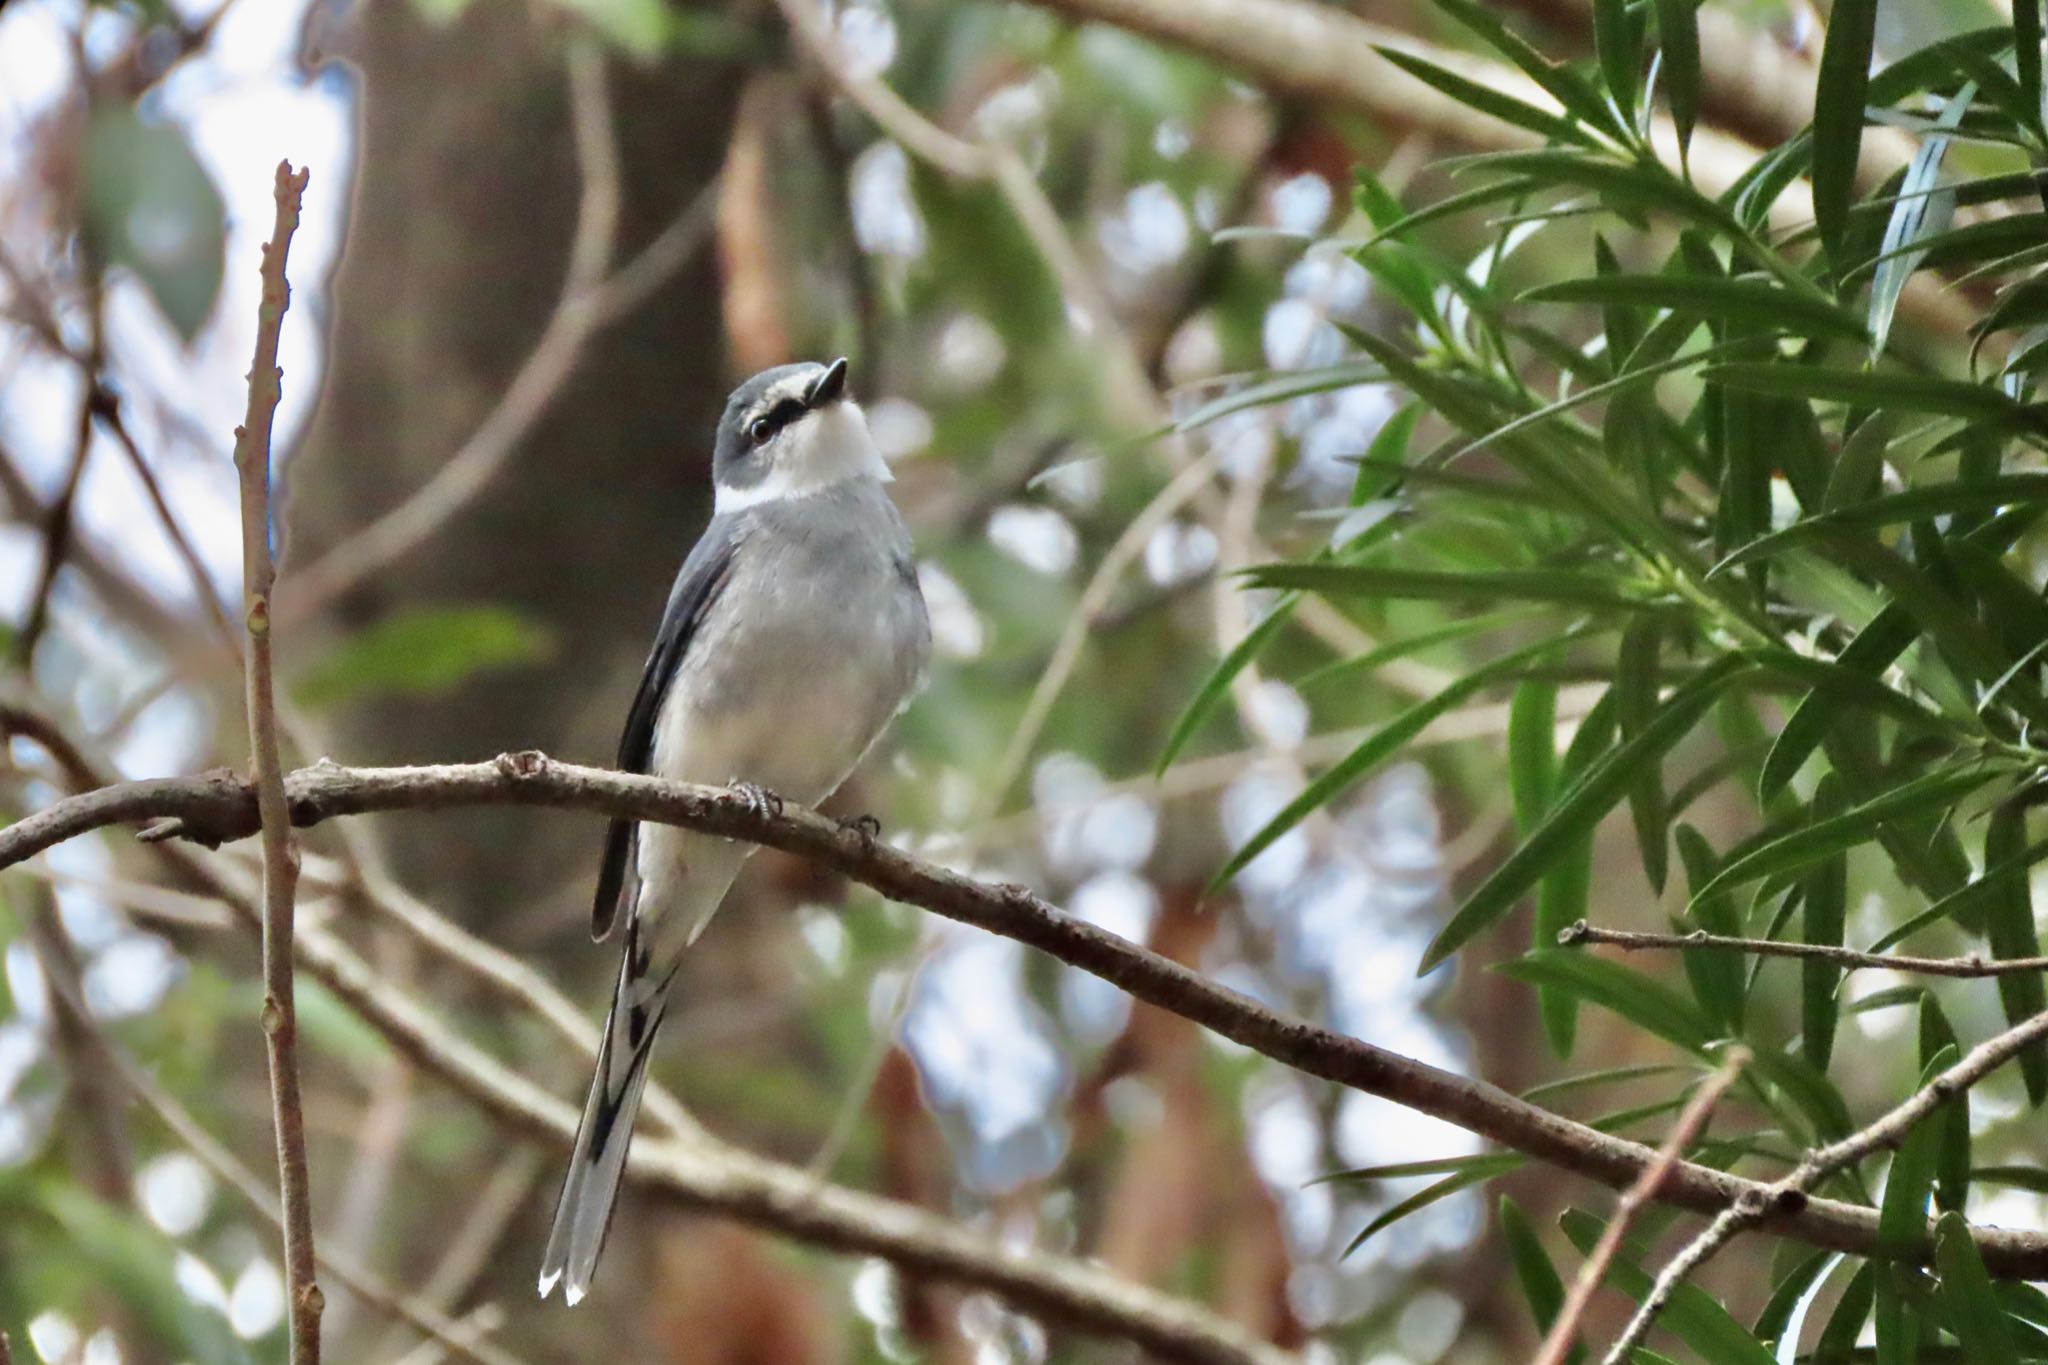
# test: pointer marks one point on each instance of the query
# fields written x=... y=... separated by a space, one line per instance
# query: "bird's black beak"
x=829 y=387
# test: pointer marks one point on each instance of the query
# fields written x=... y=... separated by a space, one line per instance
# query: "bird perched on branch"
x=793 y=633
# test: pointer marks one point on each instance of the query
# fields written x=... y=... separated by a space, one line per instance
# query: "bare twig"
x=1848 y=959
x=57 y=531
x=280 y=856
x=1788 y=1196
x=1692 y=1121
x=222 y=806
x=195 y=568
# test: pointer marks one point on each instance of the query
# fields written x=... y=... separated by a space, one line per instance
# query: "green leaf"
x=1902 y=1219
x=1618 y=42
x=1487 y=100
x=1793 y=1297
x=1374 y=750
x=423 y=652
x=1612 y=1075
x=1571 y=820
x=1799 y=1081
x=1642 y=1000
x=1914 y=504
x=1919 y=214
x=1678 y=37
x=148 y=204
x=1952 y=1120
x=1388 y=651
x=1716 y=977
x=638 y=27
x=1636 y=688
x=1692 y=1315
x=1825 y=902
x=1389 y=448
x=1562 y=83
x=1845 y=1325
x=1540 y=1282
x=1279 y=388
x=1568 y=587
x=1803 y=847
x=1909 y=393
x=1217 y=685
x=1859 y=469
x=1974 y=1313
x=1477 y=1174
x=1838 y=102
x=2026 y=48
x=126 y=1256
x=1748 y=299
x=2009 y=924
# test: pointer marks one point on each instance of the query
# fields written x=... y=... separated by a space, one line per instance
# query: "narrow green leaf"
x=1974 y=1313
x=1952 y=1121
x=1374 y=750
x=1898 y=1320
x=1280 y=388
x=1540 y=1282
x=1487 y=100
x=1845 y=1325
x=1571 y=587
x=1859 y=470
x=1839 y=97
x=1902 y=1218
x=1636 y=683
x=1750 y=299
x=2009 y=924
x=1919 y=214
x=1692 y=1315
x=1908 y=393
x=1363 y=664
x=1618 y=43
x=1642 y=1000
x=1442 y=1165
x=2026 y=49
x=2033 y=1178
x=1914 y=504
x=1809 y=1091
x=1612 y=1075
x=1564 y=85
x=1678 y=38
x=1935 y=64
x=1825 y=902
x=1717 y=978
x=1442 y=1189
x=1807 y=845
x=1571 y=820
x=1216 y=686
x=1389 y=448
x=1793 y=1297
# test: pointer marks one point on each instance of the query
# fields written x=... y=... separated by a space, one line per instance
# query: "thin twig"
x=1788 y=1196
x=280 y=855
x=1848 y=959
x=57 y=531
x=1692 y=1121
x=221 y=806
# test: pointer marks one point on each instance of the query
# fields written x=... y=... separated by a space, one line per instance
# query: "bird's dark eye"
x=761 y=430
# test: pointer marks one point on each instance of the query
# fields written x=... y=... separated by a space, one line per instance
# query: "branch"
x=1692 y=1121
x=280 y=857
x=1788 y=1194
x=1848 y=959
x=695 y=1169
x=220 y=806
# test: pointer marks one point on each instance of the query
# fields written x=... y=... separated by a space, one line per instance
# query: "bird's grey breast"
x=818 y=636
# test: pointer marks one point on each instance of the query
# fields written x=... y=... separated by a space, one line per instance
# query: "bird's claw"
x=758 y=798
x=866 y=826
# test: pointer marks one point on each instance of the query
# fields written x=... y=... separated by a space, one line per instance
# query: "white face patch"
x=815 y=452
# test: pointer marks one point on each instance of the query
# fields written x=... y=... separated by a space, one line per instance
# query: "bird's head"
x=789 y=432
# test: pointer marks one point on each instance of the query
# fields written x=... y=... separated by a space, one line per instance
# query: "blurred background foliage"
x=1632 y=537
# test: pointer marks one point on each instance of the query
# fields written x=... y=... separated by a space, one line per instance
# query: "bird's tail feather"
x=590 y=1190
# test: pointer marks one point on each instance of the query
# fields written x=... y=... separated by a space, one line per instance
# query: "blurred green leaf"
x=1825 y=904
x=1974 y=1313
x=1716 y=977
x=1642 y=1000
x=2009 y=924
x=423 y=652
x=1921 y=212
x=1216 y=686
x=1952 y=1122
x=150 y=205
x=1678 y=37
x=1618 y=43
x=1636 y=683
x=1476 y=1174
x=1541 y=1285
x=1908 y=393
x=640 y=28
x=1839 y=97
x=1487 y=100
x=1902 y=1219
x=1563 y=586
x=1761 y=302
x=132 y=1260
x=1571 y=820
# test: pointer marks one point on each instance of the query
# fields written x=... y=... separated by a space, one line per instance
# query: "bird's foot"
x=758 y=798
x=866 y=826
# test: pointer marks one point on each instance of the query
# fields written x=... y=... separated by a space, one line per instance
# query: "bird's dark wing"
x=696 y=589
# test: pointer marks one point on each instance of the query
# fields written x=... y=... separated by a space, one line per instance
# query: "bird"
x=794 y=633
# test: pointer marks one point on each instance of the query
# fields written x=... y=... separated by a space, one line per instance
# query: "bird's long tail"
x=590 y=1190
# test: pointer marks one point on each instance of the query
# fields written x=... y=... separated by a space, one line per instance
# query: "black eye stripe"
x=775 y=418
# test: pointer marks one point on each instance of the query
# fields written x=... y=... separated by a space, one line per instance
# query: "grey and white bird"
x=794 y=632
